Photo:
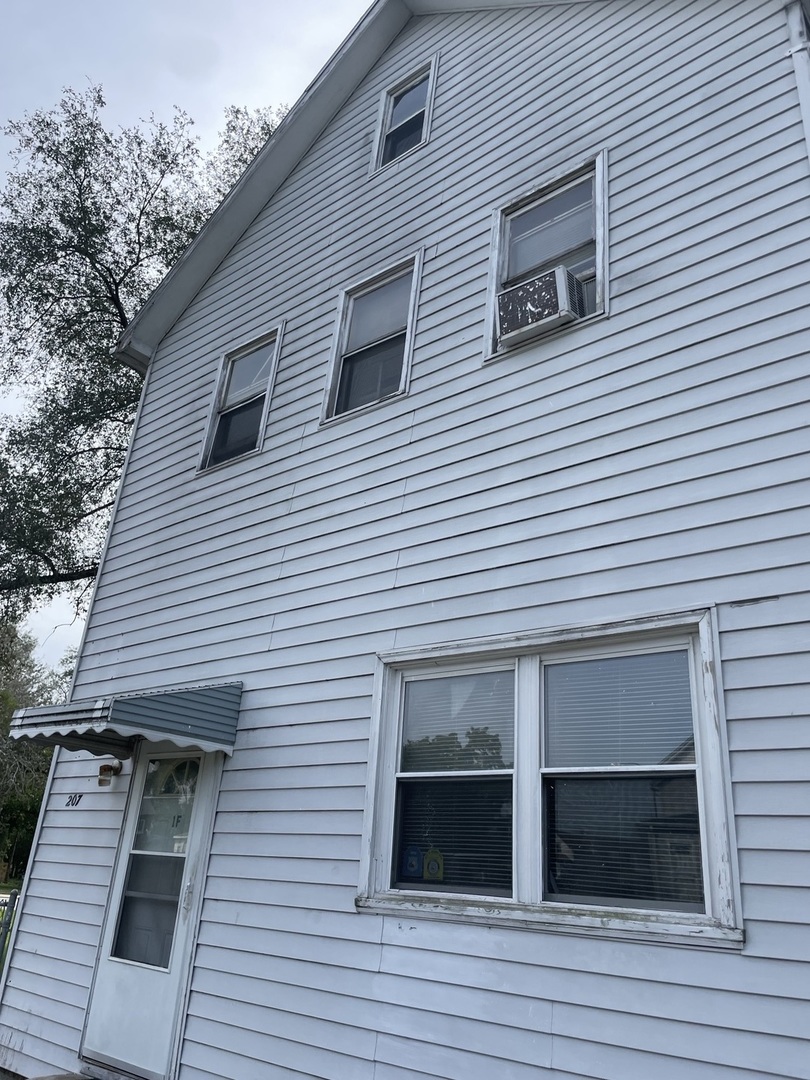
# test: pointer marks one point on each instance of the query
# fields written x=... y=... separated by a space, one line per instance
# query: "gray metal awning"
x=198 y=717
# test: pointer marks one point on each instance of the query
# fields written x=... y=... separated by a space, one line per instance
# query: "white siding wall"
x=51 y=966
x=655 y=460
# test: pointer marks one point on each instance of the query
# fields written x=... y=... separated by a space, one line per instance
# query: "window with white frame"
x=405 y=116
x=371 y=361
x=241 y=405
x=550 y=258
x=579 y=782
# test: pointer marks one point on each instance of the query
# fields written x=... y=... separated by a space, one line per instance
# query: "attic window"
x=405 y=116
x=241 y=406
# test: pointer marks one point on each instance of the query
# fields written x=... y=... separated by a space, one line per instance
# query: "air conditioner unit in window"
x=533 y=307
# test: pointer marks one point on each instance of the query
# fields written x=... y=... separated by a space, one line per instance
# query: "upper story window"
x=374 y=340
x=405 y=116
x=242 y=399
x=577 y=783
x=550 y=259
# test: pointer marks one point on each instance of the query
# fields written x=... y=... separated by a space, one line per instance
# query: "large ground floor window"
x=579 y=779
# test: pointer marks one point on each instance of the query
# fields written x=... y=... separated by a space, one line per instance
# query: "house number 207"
x=73 y=800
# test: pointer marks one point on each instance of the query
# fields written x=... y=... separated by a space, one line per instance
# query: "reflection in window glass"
x=248 y=374
x=379 y=313
x=454 y=832
x=166 y=805
x=461 y=722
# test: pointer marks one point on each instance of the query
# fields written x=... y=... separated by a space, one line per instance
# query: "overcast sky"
x=149 y=56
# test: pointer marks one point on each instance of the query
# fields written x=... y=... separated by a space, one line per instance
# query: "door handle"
x=187 y=894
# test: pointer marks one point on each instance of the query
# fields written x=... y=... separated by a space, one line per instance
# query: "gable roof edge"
x=267 y=172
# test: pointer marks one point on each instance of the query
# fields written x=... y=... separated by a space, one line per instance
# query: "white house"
x=442 y=709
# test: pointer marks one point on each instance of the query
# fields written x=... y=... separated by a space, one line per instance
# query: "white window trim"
x=385 y=107
x=719 y=926
x=596 y=163
x=215 y=407
x=798 y=20
x=367 y=284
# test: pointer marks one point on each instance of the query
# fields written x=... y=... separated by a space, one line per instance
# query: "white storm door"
x=145 y=949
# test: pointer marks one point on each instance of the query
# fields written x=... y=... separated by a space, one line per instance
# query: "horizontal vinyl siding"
x=652 y=460
x=767 y=676
x=48 y=979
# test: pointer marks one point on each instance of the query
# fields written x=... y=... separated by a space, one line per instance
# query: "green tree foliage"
x=482 y=750
x=23 y=766
x=90 y=221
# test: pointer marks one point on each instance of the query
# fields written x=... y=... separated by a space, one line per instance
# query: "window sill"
x=377 y=170
x=204 y=470
x=361 y=410
x=643 y=926
x=554 y=334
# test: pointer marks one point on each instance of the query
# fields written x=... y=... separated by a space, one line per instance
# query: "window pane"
x=166 y=806
x=370 y=374
x=629 y=841
x=403 y=138
x=249 y=373
x=454 y=835
x=379 y=313
x=459 y=722
x=237 y=431
x=562 y=205
x=149 y=909
x=536 y=240
x=407 y=103
x=619 y=710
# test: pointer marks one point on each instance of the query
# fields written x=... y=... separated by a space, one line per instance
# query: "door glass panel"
x=151 y=897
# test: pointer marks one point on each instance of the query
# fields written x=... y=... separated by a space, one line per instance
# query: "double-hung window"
x=242 y=398
x=374 y=340
x=575 y=782
x=405 y=116
x=550 y=258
